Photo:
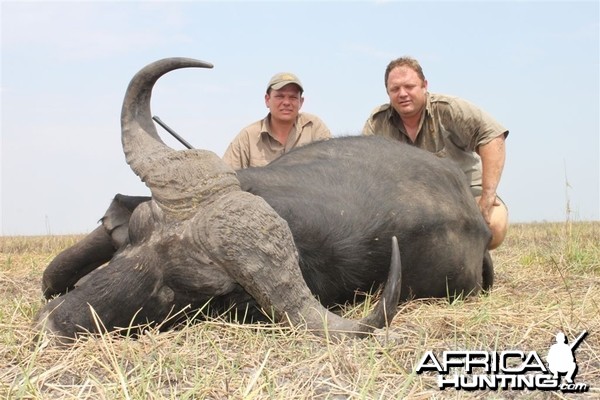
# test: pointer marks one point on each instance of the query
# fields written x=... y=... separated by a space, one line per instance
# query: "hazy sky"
x=65 y=66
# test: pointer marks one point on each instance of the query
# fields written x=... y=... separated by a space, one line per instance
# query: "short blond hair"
x=405 y=61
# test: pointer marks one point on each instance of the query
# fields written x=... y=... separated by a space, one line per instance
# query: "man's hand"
x=486 y=204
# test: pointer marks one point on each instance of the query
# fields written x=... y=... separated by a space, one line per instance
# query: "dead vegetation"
x=547 y=280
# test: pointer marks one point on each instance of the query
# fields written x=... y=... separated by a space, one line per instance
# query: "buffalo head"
x=200 y=239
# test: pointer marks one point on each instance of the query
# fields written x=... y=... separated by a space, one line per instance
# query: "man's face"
x=407 y=91
x=285 y=103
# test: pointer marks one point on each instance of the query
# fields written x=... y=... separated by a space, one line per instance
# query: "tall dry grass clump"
x=547 y=280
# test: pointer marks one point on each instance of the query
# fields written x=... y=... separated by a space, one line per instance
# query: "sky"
x=65 y=66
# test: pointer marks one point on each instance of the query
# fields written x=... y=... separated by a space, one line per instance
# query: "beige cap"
x=284 y=78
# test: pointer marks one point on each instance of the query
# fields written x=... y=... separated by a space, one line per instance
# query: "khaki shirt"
x=450 y=127
x=255 y=145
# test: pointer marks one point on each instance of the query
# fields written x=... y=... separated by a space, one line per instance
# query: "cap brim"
x=279 y=85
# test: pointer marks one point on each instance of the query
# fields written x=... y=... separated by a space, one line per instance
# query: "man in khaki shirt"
x=283 y=129
x=448 y=127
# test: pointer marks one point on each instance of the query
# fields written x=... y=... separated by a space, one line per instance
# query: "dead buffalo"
x=308 y=231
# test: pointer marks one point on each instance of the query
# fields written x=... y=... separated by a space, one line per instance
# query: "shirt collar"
x=265 y=126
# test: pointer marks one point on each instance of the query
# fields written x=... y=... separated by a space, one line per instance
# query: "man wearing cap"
x=283 y=129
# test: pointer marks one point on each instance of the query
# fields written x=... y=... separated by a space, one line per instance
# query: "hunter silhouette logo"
x=561 y=358
x=513 y=369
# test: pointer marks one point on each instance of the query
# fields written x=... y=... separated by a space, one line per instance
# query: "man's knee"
x=498 y=219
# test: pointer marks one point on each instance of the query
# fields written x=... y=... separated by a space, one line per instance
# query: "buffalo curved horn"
x=178 y=180
x=386 y=308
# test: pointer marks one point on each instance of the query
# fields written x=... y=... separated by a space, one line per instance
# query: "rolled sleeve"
x=474 y=126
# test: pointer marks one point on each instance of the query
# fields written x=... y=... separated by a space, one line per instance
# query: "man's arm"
x=492 y=156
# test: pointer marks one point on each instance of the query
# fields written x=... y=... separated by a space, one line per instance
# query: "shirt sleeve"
x=320 y=130
x=471 y=125
x=375 y=121
x=368 y=128
x=236 y=155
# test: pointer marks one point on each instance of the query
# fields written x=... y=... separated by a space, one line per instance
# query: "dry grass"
x=547 y=280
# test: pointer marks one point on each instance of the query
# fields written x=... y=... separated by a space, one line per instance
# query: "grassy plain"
x=547 y=280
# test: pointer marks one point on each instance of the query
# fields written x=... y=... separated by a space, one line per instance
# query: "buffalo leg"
x=126 y=293
x=77 y=261
x=94 y=250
